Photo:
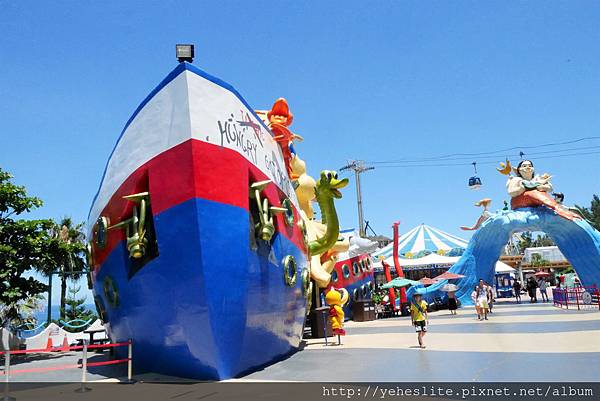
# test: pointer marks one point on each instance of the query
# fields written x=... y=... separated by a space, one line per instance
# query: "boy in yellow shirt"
x=418 y=315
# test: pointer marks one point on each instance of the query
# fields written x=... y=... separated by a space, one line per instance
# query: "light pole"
x=358 y=166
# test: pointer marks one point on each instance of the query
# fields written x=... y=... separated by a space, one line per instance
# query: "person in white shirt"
x=482 y=299
x=474 y=298
x=542 y=285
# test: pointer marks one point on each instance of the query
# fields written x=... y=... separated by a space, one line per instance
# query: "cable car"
x=475 y=181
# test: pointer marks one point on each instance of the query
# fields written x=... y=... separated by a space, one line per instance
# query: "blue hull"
x=209 y=306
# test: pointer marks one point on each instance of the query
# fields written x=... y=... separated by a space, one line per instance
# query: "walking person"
x=474 y=298
x=452 y=304
x=532 y=289
x=543 y=286
x=419 y=318
x=517 y=289
x=491 y=299
x=482 y=299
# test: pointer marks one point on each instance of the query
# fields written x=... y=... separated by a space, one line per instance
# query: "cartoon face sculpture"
x=337 y=297
x=525 y=169
x=280 y=113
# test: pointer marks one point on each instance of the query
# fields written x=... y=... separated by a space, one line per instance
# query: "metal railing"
x=577 y=297
x=66 y=348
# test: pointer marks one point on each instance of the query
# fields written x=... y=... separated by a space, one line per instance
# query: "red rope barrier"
x=64 y=367
x=41 y=350
x=108 y=362
x=61 y=349
x=108 y=345
x=72 y=366
x=32 y=370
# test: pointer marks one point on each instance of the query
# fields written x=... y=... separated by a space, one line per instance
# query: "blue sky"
x=376 y=81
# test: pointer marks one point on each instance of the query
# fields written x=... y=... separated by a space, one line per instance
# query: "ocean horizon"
x=42 y=315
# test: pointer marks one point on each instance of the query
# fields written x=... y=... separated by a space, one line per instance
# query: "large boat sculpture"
x=198 y=251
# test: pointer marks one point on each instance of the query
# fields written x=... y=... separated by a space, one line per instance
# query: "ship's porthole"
x=355 y=268
x=289 y=212
x=101 y=231
x=309 y=297
x=111 y=292
x=346 y=271
x=302 y=226
x=100 y=308
x=334 y=276
x=89 y=251
x=289 y=270
x=355 y=294
x=305 y=281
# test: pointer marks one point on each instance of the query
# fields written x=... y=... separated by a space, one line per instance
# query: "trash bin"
x=319 y=318
x=363 y=310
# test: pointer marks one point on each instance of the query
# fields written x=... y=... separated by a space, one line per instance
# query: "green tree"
x=542 y=240
x=591 y=214
x=72 y=256
x=75 y=308
x=22 y=311
x=378 y=295
x=537 y=260
x=24 y=245
x=525 y=242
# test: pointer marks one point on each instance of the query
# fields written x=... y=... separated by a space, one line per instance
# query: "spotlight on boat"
x=185 y=53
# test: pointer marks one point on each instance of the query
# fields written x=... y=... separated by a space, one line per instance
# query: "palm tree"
x=72 y=260
x=591 y=214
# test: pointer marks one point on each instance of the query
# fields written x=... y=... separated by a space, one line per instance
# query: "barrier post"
x=130 y=362
x=83 y=388
x=7 y=397
x=577 y=298
x=567 y=297
x=325 y=329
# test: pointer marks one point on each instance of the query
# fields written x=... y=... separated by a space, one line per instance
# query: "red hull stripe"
x=192 y=169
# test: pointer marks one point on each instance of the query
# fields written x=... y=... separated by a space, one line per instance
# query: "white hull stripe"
x=190 y=104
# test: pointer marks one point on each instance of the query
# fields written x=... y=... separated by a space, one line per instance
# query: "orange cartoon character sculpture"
x=336 y=299
x=280 y=118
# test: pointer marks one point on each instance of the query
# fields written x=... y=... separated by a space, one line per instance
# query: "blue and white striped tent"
x=422 y=240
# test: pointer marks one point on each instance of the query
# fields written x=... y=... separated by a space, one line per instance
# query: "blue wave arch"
x=577 y=240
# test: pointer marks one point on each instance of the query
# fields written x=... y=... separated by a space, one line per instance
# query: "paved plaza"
x=519 y=342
